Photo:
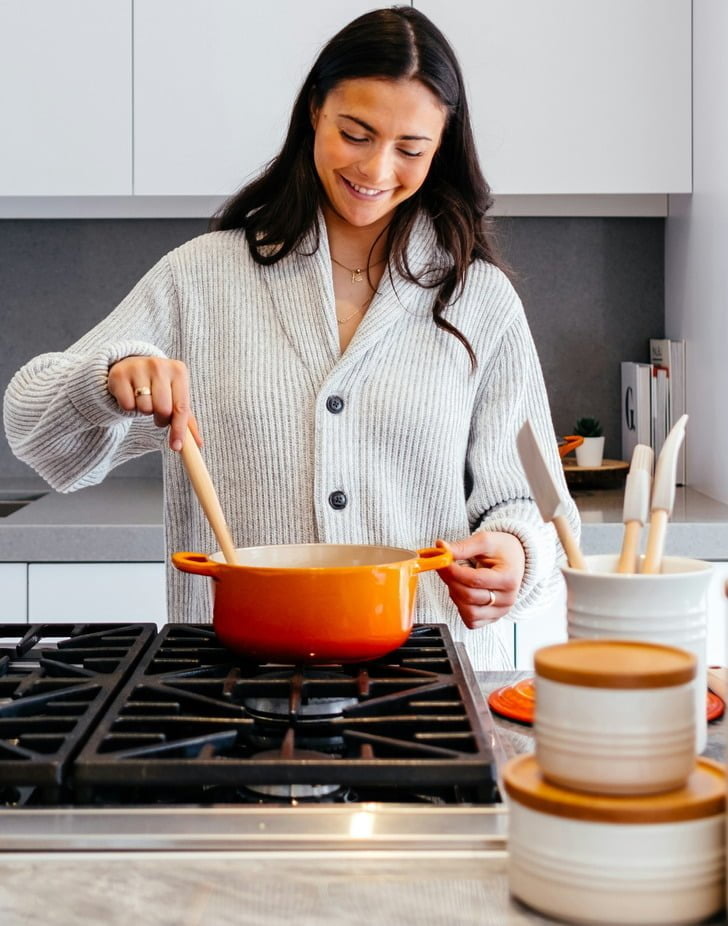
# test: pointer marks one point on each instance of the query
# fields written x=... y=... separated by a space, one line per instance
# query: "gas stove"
x=116 y=736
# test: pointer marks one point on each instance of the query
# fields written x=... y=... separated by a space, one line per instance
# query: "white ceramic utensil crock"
x=669 y=608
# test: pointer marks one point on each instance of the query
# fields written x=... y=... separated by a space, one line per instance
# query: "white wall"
x=696 y=258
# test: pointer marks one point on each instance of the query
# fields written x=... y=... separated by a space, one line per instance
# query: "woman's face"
x=374 y=141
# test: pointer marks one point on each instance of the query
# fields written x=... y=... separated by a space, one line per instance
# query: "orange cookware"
x=314 y=602
x=568 y=443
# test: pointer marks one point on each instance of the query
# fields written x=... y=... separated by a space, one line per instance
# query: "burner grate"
x=55 y=679
x=194 y=713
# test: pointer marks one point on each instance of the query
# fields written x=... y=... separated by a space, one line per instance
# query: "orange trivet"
x=716 y=707
x=517 y=702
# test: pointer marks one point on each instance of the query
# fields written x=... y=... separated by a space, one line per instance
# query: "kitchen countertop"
x=121 y=521
x=274 y=889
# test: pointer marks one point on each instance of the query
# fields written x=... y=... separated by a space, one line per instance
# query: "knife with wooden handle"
x=546 y=494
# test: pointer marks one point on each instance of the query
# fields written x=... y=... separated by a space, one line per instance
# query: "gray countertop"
x=121 y=521
x=117 y=521
x=276 y=888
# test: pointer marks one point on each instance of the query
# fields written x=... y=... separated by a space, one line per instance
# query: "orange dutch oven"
x=314 y=602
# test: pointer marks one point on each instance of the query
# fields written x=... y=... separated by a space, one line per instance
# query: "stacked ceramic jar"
x=615 y=819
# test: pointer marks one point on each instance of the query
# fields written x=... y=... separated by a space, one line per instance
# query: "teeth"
x=365 y=191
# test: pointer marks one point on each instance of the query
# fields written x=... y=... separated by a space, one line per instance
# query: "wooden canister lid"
x=704 y=795
x=615 y=664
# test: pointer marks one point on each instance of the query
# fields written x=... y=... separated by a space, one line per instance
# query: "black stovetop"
x=118 y=715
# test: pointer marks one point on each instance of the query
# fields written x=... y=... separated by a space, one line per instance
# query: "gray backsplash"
x=593 y=290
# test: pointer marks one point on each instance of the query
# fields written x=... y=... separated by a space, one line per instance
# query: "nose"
x=376 y=164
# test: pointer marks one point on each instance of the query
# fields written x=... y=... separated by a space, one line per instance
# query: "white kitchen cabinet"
x=103 y=592
x=214 y=83
x=13 y=592
x=569 y=97
x=65 y=98
x=165 y=107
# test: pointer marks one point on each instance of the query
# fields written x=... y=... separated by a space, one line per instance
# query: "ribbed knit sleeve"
x=513 y=390
x=59 y=416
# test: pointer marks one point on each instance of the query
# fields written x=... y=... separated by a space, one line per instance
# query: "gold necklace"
x=357 y=273
x=359 y=311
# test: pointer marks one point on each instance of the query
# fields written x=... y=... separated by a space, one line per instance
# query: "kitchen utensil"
x=663 y=496
x=568 y=443
x=670 y=608
x=615 y=716
x=615 y=859
x=636 y=505
x=314 y=602
x=546 y=493
x=206 y=495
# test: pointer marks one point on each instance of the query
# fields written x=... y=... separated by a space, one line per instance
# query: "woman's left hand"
x=484 y=580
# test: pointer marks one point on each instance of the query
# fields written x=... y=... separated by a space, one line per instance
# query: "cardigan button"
x=338 y=500
x=335 y=404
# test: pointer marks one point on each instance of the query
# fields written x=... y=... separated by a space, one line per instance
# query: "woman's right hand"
x=168 y=398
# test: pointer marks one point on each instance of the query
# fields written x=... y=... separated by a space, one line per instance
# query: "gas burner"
x=298 y=706
x=195 y=723
x=300 y=791
x=295 y=792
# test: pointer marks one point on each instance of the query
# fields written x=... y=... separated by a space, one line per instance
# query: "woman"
x=356 y=362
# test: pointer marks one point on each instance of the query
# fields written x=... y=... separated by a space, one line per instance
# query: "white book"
x=660 y=408
x=637 y=387
x=669 y=355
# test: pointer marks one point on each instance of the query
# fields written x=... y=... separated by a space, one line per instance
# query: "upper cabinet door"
x=65 y=97
x=214 y=83
x=576 y=97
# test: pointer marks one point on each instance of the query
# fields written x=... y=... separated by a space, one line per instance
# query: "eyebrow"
x=369 y=128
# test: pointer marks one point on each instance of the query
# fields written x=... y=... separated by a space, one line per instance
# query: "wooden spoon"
x=207 y=496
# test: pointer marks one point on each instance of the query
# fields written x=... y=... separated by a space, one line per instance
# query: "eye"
x=410 y=154
x=352 y=138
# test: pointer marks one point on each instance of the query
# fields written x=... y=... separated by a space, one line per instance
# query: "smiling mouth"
x=368 y=192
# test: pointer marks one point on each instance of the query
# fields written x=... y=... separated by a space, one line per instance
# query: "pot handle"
x=432 y=558
x=571 y=442
x=196 y=563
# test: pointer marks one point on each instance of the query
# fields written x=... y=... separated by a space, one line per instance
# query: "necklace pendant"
x=357 y=275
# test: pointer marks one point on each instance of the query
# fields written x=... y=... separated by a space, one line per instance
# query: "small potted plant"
x=591 y=452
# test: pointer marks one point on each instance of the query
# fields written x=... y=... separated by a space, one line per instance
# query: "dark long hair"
x=280 y=206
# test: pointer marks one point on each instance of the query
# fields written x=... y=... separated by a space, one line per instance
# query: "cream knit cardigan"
x=423 y=448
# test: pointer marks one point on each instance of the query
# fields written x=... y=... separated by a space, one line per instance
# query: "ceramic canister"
x=615 y=716
x=669 y=607
x=608 y=859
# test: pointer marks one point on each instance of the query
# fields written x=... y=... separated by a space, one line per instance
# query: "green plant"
x=588 y=427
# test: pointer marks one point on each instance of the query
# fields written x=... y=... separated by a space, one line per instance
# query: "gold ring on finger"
x=142 y=390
